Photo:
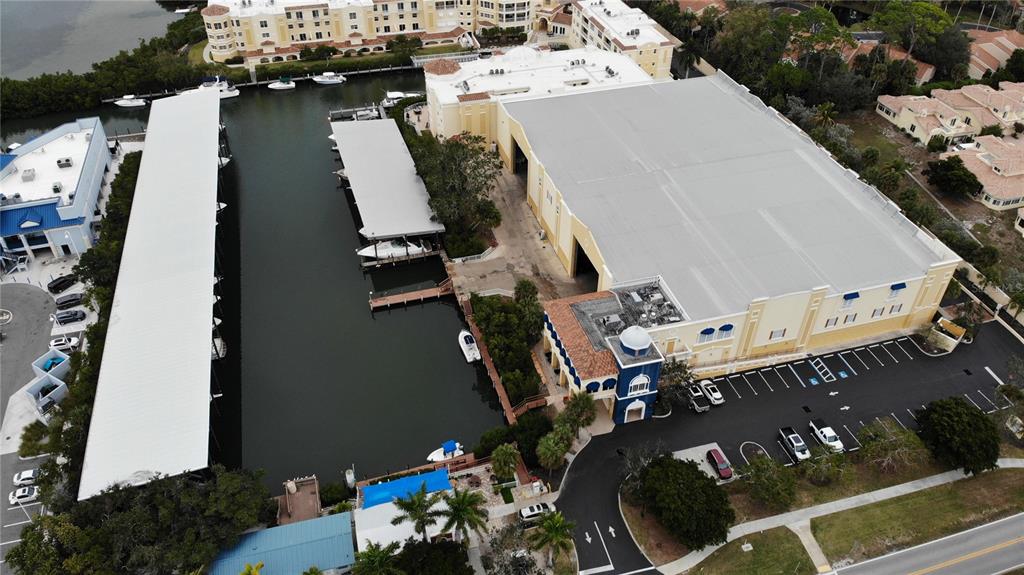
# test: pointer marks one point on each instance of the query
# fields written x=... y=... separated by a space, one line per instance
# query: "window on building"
x=401 y=27
x=291 y=26
x=413 y=5
x=319 y=35
x=354 y=27
x=777 y=334
x=639 y=384
x=301 y=25
x=401 y=6
x=850 y=318
x=288 y=15
x=383 y=7
x=351 y=15
x=263 y=24
x=302 y=37
x=316 y=14
x=706 y=334
x=832 y=321
x=415 y=26
x=216 y=26
x=896 y=308
x=877 y=312
x=387 y=29
x=266 y=35
x=209 y=26
x=298 y=15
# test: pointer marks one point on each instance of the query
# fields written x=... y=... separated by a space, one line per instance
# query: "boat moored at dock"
x=284 y=83
x=391 y=249
x=449 y=450
x=468 y=345
x=218 y=83
x=329 y=79
x=130 y=101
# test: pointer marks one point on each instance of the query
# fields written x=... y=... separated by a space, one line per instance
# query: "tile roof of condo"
x=699 y=182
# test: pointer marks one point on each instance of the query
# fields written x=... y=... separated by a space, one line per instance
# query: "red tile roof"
x=588 y=362
x=474 y=96
x=215 y=10
x=441 y=67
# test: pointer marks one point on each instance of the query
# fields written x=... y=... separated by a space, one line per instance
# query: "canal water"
x=325 y=384
x=46 y=36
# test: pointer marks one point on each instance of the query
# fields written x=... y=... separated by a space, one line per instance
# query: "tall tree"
x=553 y=533
x=418 y=507
x=952 y=177
x=551 y=452
x=459 y=172
x=580 y=411
x=817 y=30
x=686 y=501
x=911 y=22
x=751 y=41
x=466 y=512
x=376 y=559
x=504 y=459
x=959 y=434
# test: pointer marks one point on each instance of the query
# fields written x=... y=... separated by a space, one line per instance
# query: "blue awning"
x=707 y=331
x=851 y=295
x=726 y=327
x=898 y=286
x=450 y=446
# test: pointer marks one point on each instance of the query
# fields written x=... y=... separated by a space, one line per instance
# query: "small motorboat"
x=391 y=99
x=218 y=83
x=366 y=115
x=329 y=79
x=449 y=449
x=130 y=101
x=468 y=344
x=284 y=83
x=391 y=249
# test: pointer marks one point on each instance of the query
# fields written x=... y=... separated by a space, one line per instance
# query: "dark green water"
x=325 y=384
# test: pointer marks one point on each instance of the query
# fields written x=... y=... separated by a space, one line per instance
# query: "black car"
x=62 y=283
x=69 y=316
x=69 y=301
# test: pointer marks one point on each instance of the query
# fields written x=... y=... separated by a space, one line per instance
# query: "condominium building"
x=991 y=49
x=924 y=118
x=716 y=232
x=265 y=31
x=50 y=191
x=463 y=97
x=998 y=163
x=612 y=25
x=984 y=106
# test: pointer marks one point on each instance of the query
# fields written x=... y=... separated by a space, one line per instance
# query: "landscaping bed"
x=657 y=543
x=776 y=552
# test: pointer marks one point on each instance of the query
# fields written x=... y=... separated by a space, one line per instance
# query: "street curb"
x=618 y=497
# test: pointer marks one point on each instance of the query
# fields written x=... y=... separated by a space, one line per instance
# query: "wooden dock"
x=386 y=301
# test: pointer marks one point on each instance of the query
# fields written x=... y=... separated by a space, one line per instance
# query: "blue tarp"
x=449 y=446
x=45 y=215
x=325 y=542
x=401 y=488
x=6 y=159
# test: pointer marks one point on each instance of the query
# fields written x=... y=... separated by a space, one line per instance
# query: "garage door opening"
x=585 y=273
x=520 y=165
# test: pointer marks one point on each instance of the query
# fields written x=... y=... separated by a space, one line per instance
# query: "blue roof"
x=403 y=487
x=6 y=159
x=45 y=215
x=325 y=542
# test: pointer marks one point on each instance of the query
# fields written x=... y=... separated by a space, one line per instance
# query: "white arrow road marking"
x=586 y=535
x=612 y=531
x=844 y=408
x=833 y=393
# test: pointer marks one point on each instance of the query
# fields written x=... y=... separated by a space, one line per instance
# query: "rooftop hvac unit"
x=28 y=175
x=58 y=187
x=16 y=198
x=64 y=162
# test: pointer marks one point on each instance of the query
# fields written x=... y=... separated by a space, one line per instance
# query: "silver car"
x=711 y=392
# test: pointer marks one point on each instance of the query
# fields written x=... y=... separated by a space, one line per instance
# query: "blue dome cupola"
x=635 y=341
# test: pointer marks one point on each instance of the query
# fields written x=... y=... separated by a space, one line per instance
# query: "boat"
x=468 y=344
x=391 y=249
x=284 y=83
x=391 y=99
x=218 y=83
x=329 y=79
x=185 y=10
x=366 y=115
x=449 y=450
x=130 y=101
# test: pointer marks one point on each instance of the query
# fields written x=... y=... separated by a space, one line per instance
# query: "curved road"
x=25 y=338
x=888 y=388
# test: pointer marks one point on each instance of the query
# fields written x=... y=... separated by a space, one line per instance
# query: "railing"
x=530 y=403
x=467 y=56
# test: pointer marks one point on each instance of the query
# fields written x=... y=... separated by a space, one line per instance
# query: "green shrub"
x=334 y=493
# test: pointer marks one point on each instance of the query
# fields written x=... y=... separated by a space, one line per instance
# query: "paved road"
x=986 y=550
x=886 y=381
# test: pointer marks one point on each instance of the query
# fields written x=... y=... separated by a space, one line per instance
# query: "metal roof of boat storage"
x=391 y=198
x=152 y=409
x=701 y=183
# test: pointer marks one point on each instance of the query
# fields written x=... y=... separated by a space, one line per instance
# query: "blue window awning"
x=707 y=331
x=851 y=295
x=726 y=327
x=898 y=286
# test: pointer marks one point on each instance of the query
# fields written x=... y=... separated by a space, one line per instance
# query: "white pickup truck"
x=826 y=435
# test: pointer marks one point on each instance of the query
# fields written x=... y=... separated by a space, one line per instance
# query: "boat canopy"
x=450 y=446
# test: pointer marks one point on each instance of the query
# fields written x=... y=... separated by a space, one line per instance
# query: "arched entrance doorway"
x=635 y=411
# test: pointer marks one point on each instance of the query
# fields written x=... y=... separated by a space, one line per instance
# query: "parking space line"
x=779 y=373
x=2 y=543
x=766 y=382
x=999 y=381
x=848 y=366
x=786 y=451
x=987 y=399
x=748 y=383
x=852 y=435
x=911 y=414
x=859 y=358
x=897 y=420
x=798 y=378
x=972 y=402
x=18 y=523
x=875 y=356
x=889 y=352
x=738 y=396
x=897 y=342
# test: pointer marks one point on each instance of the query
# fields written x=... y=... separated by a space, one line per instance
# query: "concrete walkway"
x=803 y=531
x=691 y=560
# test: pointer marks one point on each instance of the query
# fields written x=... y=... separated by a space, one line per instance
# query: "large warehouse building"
x=716 y=226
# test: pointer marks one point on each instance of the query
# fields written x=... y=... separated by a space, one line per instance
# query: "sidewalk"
x=691 y=560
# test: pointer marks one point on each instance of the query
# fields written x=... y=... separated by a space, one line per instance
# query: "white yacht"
x=448 y=450
x=391 y=249
x=392 y=98
x=468 y=344
x=218 y=83
x=130 y=101
x=284 y=83
x=329 y=79
x=366 y=115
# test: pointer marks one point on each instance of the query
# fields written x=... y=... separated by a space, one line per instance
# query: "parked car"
x=826 y=435
x=711 y=392
x=720 y=464
x=69 y=316
x=27 y=477
x=69 y=301
x=23 y=495
x=64 y=343
x=697 y=401
x=62 y=283
x=794 y=444
x=534 y=512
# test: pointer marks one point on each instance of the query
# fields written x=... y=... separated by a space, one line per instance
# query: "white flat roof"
x=43 y=160
x=374 y=525
x=529 y=72
x=152 y=409
x=699 y=182
x=391 y=198
x=618 y=20
x=280 y=6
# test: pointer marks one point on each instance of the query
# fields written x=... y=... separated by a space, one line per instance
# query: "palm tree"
x=465 y=512
x=553 y=533
x=581 y=410
x=314 y=570
x=377 y=560
x=418 y=507
x=825 y=114
x=252 y=569
x=504 y=459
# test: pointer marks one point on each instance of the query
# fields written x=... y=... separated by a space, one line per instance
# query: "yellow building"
x=463 y=97
x=611 y=25
x=264 y=31
x=923 y=118
x=746 y=242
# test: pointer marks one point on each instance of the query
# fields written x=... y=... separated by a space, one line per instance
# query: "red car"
x=720 y=464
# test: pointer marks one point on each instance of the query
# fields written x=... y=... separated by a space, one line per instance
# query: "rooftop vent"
x=57 y=187
x=29 y=174
x=64 y=163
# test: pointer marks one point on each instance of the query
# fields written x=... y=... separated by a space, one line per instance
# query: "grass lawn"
x=776 y=551
x=659 y=546
x=195 y=53
x=866 y=132
x=876 y=529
